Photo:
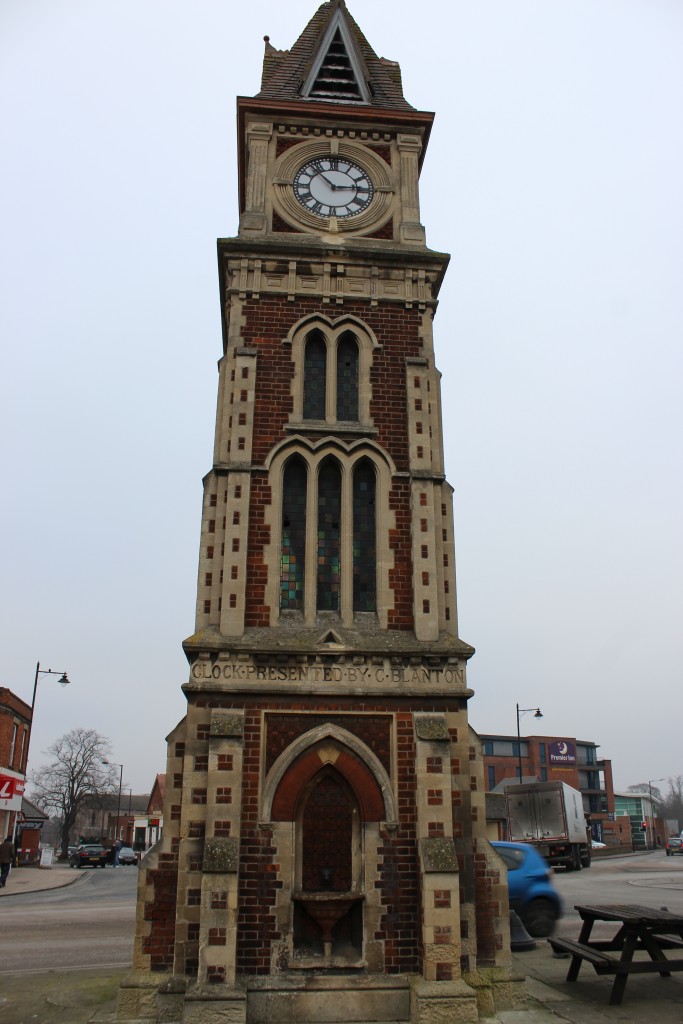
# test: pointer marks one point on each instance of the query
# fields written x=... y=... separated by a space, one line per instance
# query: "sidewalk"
x=90 y=996
x=32 y=879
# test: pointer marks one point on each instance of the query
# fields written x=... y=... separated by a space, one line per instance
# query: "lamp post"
x=63 y=681
x=118 y=807
x=520 y=712
x=652 y=816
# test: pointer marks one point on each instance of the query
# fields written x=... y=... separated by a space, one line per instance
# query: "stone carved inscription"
x=353 y=675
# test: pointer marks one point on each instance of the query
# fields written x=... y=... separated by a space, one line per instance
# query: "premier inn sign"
x=562 y=752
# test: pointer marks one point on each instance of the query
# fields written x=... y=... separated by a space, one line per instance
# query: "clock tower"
x=324 y=854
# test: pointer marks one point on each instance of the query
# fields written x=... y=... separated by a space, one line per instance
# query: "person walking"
x=6 y=858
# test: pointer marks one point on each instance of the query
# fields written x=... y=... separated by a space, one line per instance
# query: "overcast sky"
x=553 y=176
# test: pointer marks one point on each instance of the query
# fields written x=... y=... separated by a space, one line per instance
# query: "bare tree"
x=78 y=769
x=672 y=806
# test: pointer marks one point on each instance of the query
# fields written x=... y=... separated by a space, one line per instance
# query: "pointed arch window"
x=364 y=538
x=293 y=547
x=331 y=377
x=347 y=377
x=315 y=377
x=330 y=533
x=329 y=536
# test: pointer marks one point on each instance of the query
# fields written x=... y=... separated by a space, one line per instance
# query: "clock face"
x=331 y=186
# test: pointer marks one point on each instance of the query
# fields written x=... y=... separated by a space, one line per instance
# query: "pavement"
x=89 y=996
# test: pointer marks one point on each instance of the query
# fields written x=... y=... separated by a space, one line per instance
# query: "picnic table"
x=641 y=929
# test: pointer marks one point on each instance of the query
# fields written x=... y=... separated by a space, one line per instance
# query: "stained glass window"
x=364 y=538
x=329 y=513
x=292 y=559
x=347 y=378
x=315 y=377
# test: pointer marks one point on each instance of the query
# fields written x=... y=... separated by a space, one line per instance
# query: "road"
x=649 y=880
x=91 y=923
x=88 y=924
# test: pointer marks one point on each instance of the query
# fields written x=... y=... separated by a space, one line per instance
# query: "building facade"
x=561 y=759
x=15 y=730
x=324 y=845
x=637 y=821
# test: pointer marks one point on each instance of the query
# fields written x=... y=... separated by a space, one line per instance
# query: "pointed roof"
x=332 y=62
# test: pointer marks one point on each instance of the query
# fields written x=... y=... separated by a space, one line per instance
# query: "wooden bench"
x=602 y=961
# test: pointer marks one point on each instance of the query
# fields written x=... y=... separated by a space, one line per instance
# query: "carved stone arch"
x=333 y=325
x=303 y=759
x=351 y=450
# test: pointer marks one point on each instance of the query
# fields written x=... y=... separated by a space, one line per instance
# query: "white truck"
x=550 y=816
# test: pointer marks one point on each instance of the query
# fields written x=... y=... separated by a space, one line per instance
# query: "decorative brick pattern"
x=374 y=731
x=219 y=900
x=217 y=936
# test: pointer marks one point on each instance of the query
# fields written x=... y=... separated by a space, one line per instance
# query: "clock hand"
x=336 y=188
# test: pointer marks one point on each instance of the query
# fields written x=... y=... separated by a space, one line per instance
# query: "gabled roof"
x=332 y=62
x=156 y=797
x=32 y=812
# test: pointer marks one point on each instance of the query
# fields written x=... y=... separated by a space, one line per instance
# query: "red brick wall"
x=161 y=911
x=13 y=711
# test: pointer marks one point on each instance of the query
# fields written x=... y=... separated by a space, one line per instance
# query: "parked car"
x=674 y=844
x=532 y=894
x=127 y=856
x=596 y=845
x=90 y=855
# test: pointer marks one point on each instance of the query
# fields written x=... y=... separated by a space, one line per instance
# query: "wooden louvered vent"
x=336 y=79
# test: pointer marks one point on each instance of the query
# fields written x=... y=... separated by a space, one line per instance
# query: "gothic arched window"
x=347 y=377
x=364 y=538
x=329 y=536
x=315 y=377
x=293 y=552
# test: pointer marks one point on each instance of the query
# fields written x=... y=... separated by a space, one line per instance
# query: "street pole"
x=118 y=807
x=520 y=712
x=652 y=815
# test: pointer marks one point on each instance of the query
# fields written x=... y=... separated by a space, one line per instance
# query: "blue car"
x=530 y=889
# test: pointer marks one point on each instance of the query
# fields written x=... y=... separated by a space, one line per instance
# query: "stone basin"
x=326 y=908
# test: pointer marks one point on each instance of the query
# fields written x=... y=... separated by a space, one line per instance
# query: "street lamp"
x=652 y=816
x=63 y=681
x=520 y=712
x=118 y=807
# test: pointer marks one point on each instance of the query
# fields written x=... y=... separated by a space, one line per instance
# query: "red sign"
x=9 y=787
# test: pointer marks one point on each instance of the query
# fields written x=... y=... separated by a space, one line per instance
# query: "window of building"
x=488 y=748
x=341 y=508
x=333 y=360
x=347 y=377
x=492 y=778
x=364 y=538
x=315 y=377
x=13 y=743
x=293 y=552
x=329 y=536
x=541 y=752
x=330 y=369
x=544 y=774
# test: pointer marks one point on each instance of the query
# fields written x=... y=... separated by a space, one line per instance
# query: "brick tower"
x=324 y=854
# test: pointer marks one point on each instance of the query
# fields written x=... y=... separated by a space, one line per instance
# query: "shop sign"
x=11 y=792
x=561 y=752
